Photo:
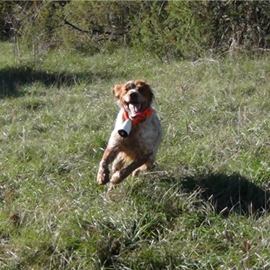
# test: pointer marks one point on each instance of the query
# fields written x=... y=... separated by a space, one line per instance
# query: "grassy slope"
x=197 y=211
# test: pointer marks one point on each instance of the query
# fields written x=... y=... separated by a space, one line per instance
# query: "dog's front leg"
x=103 y=171
x=119 y=176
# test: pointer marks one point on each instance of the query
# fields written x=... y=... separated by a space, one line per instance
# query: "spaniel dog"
x=134 y=142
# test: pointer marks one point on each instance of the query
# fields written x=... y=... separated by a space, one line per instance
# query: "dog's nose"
x=133 y=94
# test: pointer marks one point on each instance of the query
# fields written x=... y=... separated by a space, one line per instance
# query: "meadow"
x=205 y=204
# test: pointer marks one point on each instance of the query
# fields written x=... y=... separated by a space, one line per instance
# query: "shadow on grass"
x=13 y=78
x=230 y=193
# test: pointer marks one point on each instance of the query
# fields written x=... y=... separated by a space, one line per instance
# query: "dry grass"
x=205 y=205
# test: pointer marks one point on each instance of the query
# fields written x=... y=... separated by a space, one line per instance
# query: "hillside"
x=205 y=204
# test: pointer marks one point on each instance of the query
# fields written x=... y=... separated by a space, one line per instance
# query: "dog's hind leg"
x=119 y=162
x=120 y=175
x=144 y=167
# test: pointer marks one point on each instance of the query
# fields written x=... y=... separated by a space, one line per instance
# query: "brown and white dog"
x=136 y=151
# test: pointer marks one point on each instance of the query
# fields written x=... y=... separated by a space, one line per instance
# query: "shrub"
x=167 y=29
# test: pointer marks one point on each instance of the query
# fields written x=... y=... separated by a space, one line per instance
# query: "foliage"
x=240 y=24
x=5 y=19
x=168 y=29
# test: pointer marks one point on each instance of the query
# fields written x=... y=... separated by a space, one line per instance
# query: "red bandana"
x=140 y=116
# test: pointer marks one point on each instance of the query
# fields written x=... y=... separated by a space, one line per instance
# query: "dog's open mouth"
x=134 y=109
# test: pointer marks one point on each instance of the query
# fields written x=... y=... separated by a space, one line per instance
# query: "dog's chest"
x=143 y=136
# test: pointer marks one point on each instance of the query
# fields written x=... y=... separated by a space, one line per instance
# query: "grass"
x=204 y=206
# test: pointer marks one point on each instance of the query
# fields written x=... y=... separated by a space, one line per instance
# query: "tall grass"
x=204 y=206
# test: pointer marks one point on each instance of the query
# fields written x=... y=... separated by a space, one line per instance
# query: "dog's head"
x=134 y=96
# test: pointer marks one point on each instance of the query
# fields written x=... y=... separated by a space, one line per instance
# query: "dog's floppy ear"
x=147 y=91
x=117 y=90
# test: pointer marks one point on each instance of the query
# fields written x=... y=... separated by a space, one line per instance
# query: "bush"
x=240 y=25
x=168 y=29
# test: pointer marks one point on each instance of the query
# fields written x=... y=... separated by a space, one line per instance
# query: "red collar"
x=140 y=116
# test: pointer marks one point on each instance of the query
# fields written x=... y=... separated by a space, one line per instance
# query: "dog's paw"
x=139 y=170
x=103 y=176
x=116 y=178
x=136 y=172
x=111 y=187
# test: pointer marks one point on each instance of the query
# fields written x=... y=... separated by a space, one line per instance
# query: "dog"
x=135 y=149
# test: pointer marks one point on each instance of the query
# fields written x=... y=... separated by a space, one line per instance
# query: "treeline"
x=168 y=29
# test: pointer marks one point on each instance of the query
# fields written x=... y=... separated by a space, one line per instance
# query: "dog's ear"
x=146 y=89
x=117 y=90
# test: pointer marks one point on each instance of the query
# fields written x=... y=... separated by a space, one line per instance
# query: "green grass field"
x=205 y=205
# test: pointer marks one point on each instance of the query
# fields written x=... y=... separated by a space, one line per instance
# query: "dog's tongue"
x=134 y=109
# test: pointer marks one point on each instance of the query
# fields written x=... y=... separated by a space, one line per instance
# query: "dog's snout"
x=133 y=94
